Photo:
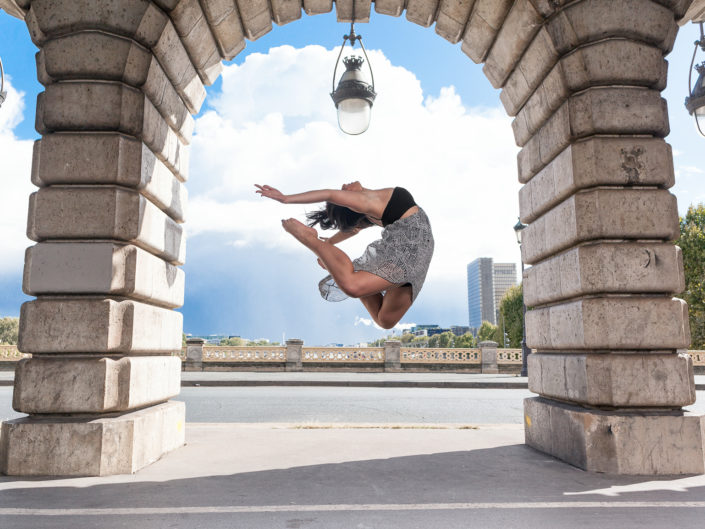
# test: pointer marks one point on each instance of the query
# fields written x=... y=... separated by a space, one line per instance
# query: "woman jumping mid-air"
x=389 y=275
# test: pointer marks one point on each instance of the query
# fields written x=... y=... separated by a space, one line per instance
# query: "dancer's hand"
x=270 y=192
x=352 y=186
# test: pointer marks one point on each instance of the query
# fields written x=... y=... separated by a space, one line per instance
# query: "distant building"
x=487 y=283
x=459 y=330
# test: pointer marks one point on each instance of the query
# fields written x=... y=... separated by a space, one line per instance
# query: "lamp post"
x=3 y=93
x=525 y=351
x=354 y=96
x=695 y=102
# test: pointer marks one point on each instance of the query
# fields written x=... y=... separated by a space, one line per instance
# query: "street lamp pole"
x=525 y=351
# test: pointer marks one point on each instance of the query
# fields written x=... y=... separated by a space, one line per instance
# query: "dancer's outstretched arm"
x=365 y=201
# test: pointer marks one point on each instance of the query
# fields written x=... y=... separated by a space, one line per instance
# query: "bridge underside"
x=122 y=81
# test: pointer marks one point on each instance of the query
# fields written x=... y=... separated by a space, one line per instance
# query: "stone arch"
x=122 y=79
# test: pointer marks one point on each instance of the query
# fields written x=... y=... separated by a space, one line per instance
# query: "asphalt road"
x=348 y=405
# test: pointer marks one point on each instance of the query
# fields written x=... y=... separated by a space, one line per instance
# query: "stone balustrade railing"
x=382 y=356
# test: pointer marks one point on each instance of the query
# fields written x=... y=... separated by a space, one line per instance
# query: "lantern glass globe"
x=354 y=116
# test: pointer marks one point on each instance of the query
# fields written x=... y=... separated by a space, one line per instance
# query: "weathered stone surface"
x=387 y=7
x=15 y=8
x=80 y=159
x=602 y=214
x=485 y=20
x=605 y=110
x=101 y=56
x=605 y=267
x=610 y=323
x=488 y=352
x=97 y=447
x=141 y=20
x=94 y=385
x=611 y=62
x=224 y=21
x=422 y=12
x=452 y=17
x=98 y=326
x=622 y=161
x=343 y=10
x=592 y=20
x=196 y=36
x=104 y=212
x=285 y=11
x=256 y=17
x=617 y=442
x=695 y=11
x=614 y=380
x=316 y=7
x=109 y=107
x=102 y=268
x=519 y=28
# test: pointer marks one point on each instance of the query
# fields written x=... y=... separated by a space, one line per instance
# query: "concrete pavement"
x=335 y=476
x=349 y=378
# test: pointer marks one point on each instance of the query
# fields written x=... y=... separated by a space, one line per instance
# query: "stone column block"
x=256 y=17
x=488 y=353
x=602 y=214
x=605 y=267
x=294 y=355
x=100 y=56
x=104 y=159
x=518 y=29
x=385 y=7
x=611 y=62
x=196 y=36
x=102 y=268
x=623 y=161
x=104 y=212
x=317 y=7
x=96 y=447
x=392 y=355
x=94 y=385
x=609 y=323
x=224 y=21
x=637 y=443
x=98 y=326
x=194 y=354
x=451 y=19
x=421 y=12
x=343 y=10
x=285 y=11
x=614 y=380
x=109 y=107
x=485 y=20
x=623 y=110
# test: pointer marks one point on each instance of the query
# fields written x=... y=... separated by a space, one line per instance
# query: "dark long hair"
x=338 y=217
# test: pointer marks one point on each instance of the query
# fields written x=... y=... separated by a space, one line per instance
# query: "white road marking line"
x=225 y=509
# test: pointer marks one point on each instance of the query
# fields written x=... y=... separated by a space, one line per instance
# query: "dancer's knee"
x=387 y=321
x=352 y=288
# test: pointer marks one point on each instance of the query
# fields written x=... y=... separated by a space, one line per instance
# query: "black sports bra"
x=400 y=202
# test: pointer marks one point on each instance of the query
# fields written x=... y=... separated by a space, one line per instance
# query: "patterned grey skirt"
x=401 y=256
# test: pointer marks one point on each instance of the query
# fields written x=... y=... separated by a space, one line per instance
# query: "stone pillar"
x=392 y=355
x=115 y=119
x=194 y=354
x=488 y=353
x=293 y=354
x=584 y=85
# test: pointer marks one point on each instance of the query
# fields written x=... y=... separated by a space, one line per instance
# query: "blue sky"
x=438 y=128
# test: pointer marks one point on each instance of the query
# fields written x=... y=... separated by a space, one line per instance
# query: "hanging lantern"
x=695 y=102
x=3 y=92
x=354 y=95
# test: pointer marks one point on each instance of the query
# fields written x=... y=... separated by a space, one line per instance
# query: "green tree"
x=467 y=340
x=419 y=341
x=232 y=342
x=9 y=330
x=692 y=242
x=406 y=338
x=433 y=341
x=183 y=339
x=511 y=309
x=487 y=331
x=446 y=340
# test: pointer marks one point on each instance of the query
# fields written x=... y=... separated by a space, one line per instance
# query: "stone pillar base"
x=617 y=442
x=74 y=446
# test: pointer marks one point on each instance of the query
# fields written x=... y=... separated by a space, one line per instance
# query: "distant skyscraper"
x=487 y=283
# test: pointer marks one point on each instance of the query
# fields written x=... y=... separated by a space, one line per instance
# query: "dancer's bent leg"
x=354 y=284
